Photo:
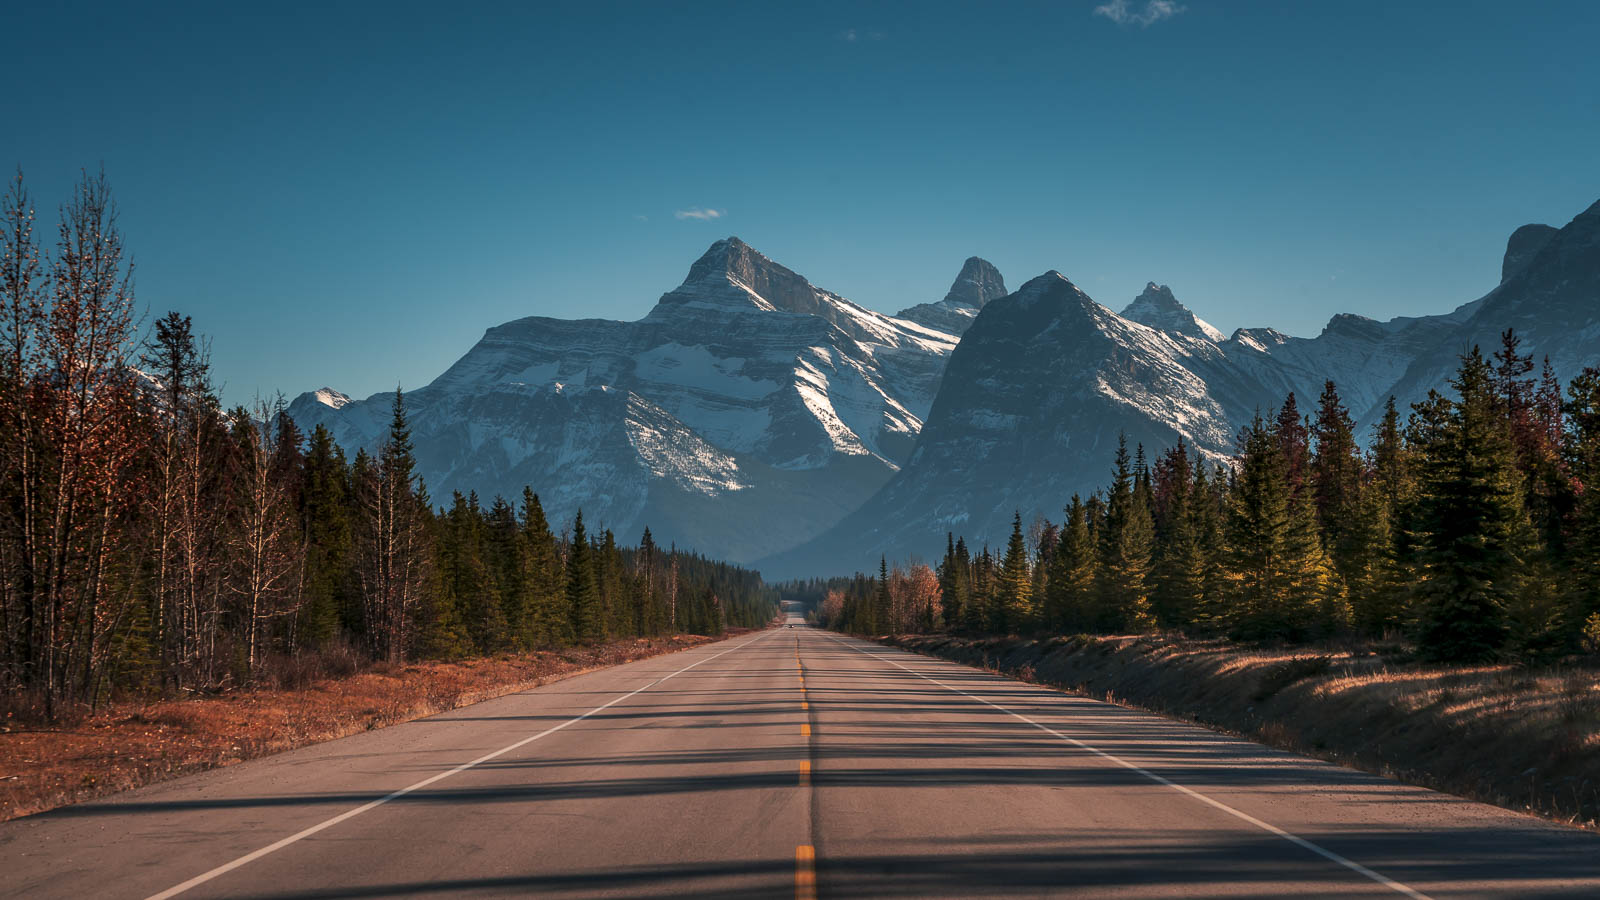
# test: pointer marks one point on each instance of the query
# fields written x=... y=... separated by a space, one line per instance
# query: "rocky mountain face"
x=1157 y=308
x=1045 y=379
x=758 y=418
x=745 y=413
x=978 y=283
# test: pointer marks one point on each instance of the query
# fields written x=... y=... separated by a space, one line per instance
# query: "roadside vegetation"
x=155 y=545
x=1471 y=532
x=127 y=745
x=1427 y=607
x=1522 y=739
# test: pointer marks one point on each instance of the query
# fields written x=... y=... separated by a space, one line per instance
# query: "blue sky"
x=350 y=196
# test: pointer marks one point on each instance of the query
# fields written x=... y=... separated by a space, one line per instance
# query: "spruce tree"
x=1070 y=599
x=1293 y=443
x=583 y=594
x=1126 y=543
x=1582 y=410
x=1336 y=480
x=1206 y=513
x=329 y=600
x=1258 y=529
x=958 y=605
x=550 y=621
x=1175 y=575
x=1469 y=508
x=1015 y=601
x=503 y=551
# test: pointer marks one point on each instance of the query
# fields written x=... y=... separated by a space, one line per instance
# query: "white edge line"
x=274 y=847
x=1323 y=852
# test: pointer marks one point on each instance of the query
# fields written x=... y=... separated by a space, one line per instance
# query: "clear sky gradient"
x=350 y=196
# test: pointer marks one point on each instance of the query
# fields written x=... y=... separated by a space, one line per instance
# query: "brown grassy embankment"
x=122 y=747
x=1527 y=740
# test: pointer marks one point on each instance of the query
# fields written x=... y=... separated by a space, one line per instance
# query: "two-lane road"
x=784 y=763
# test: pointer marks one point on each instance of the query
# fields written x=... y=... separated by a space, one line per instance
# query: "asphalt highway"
x=790 y=763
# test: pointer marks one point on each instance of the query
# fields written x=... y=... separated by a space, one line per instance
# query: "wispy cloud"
x=640 y=217
x=1123 y=12
x=702 y=213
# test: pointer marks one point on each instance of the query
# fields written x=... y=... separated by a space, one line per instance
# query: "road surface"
x=791 y=762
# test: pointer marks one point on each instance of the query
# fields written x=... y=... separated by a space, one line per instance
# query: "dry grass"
x=127 y=746
x=1526 y=740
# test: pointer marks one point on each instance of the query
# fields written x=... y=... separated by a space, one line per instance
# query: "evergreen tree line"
x=1472 y=528
x=154 y=542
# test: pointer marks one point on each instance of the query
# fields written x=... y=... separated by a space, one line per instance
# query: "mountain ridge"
x=745 y=384
x=1016 y=429
x=759 y=418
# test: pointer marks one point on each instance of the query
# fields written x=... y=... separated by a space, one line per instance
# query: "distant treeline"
x=152 y=542
x=1473 y=528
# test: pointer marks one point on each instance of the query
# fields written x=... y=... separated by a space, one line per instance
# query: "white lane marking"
x=1323 y=852
x=248 y=858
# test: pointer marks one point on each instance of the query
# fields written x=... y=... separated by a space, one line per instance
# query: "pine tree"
x=1258 y=529
x=648 y=616
x=1016 y=584
x=1126 y=543
x=1206 y=513
x=1069 y=603
x=1176 y=574
x=958 y=603
x=469 y=586
x=504 y=551
x=615 y=606
x=1469 y=508
x=549 y=612
x=1336 y=481
x=1582 y=410
x=979 y=608
x=583 y=594
x=879 y=619
x=395 y=551
x=1293 y=443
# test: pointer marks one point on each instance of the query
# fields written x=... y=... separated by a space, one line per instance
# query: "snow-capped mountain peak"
x=746 y=380
x=330 y=398
x=975 y=286
x=1159 y=309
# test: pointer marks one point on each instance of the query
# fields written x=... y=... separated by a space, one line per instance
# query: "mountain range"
x=758 y=418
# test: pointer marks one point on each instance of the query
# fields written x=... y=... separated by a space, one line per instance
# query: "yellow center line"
x=805 y=772
x=805 y=728
x=805 y=872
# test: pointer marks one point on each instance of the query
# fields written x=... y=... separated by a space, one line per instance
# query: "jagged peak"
x=754 y=278
x=733 y=257
x=978 y=283
x=1158 y=308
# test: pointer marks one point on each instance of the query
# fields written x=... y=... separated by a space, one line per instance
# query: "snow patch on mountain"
x=744 y=380
x=331 y=398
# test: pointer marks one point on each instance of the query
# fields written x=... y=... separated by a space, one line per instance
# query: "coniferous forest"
x=154 y=543
x=1469 y=525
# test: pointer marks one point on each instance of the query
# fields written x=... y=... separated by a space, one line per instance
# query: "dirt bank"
x=1521 y=739
x=43 y=767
